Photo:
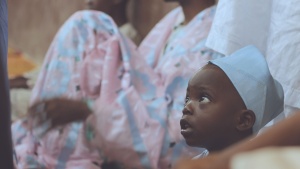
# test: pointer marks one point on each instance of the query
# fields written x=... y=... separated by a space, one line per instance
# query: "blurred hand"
x=58 y=111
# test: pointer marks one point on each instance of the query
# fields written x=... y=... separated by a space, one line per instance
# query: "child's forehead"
x=214 y=80
x=210 y=75
x=210 y=69
x=210 y=66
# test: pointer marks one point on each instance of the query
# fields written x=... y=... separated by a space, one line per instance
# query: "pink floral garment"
x=136 y=94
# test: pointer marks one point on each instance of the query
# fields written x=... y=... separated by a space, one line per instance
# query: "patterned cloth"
x=137 y=95
x=19 y=65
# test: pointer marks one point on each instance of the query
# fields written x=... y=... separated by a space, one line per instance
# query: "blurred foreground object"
x=6 y=161
x=275 y=158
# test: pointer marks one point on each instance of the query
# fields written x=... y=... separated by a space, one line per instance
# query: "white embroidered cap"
x=249 y=72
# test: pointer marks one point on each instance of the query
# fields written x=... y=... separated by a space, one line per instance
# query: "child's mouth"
x=186 y=128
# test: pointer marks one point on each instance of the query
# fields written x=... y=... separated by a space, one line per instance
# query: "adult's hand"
x=58 y=111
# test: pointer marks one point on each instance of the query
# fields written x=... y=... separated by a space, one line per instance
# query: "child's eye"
x=187 y=98
x=204 y=99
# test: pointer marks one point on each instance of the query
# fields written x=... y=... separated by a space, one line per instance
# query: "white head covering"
x=248 y=71
x=270 y=25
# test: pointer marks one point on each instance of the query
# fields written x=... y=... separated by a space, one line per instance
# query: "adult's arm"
x=6 y=158
x=285 y=133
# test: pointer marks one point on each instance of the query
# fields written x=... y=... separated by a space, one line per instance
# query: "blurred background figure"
x=117 y=9
x=29 y=39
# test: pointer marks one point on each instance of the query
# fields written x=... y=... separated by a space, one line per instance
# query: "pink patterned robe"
x=137 y=94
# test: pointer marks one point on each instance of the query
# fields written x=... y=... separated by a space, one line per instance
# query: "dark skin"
x=114 y=8
x=285 y=133
x=60 y=110
x=214 y=116
x=192 y=7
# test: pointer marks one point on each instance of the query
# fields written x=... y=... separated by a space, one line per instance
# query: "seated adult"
x=136 y=94
x=18 y=65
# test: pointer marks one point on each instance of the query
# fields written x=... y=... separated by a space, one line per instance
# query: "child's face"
x=210 y=112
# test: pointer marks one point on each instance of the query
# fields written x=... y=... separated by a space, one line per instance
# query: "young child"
x=229 y=99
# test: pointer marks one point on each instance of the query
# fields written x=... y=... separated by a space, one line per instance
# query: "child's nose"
x=188 y=108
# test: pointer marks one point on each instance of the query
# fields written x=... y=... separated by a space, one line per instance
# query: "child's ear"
x=245 y=120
